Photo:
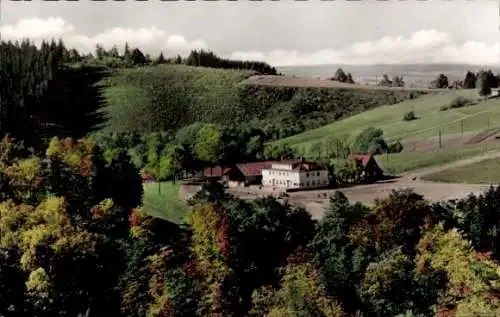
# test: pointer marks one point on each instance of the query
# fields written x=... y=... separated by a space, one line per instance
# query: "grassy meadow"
x=430 y=119
x=165 y=202
x=168 y=97
x=397 y=163
x=484 y=172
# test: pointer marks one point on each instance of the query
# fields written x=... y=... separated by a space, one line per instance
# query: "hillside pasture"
x=169 y=97
x=397 y=163
x=484 y=172
x=431 y=120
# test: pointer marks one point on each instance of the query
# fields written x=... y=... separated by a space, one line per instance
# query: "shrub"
x=395 y=147
x=370 y=140
x=409 y=116
x=347 y=171
x=460 y=102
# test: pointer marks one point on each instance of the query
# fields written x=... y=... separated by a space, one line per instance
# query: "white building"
x=294 y=174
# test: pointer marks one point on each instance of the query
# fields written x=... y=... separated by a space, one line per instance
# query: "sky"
x=282 y=33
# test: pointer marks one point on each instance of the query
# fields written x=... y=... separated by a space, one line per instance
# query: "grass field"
x=397 y=163
x=430 y=120
x=164 y=203
x=169 y=97
x=484 y=172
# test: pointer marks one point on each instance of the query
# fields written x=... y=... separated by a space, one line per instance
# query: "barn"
x=372 y=170
x=242 y=174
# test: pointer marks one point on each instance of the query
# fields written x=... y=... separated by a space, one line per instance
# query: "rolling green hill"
x=430 y=119
x=168 y=97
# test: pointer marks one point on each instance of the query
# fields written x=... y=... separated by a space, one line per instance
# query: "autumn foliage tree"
x=56 y=235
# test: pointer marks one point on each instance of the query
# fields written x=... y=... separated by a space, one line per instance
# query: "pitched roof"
x=306 y=166
x=215 y=171
x=299 y=164
x=364 y=158
x=253 y=168
x=288 y=162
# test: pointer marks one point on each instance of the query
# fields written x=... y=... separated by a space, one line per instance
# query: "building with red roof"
x=147 y=178
x=241 y=174
x=295 y=174
x=371 y=169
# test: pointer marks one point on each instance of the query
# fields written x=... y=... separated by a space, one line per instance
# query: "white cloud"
x=151 y=40
x=423 y=46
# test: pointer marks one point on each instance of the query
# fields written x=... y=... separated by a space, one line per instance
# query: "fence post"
x=440 y=143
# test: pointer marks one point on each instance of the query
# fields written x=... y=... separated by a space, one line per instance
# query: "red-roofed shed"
x=371 y=168
x=147 y=178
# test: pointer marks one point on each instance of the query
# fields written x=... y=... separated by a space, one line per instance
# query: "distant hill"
x=418 y=75
x=168 y=97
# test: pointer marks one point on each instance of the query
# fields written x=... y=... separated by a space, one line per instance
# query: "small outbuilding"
x=371 y=169
x=147 y=178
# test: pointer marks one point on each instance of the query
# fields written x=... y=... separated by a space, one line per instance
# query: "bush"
x=458 y=102
x=409 y=116
x=370 y=140
x=395 y=147
x=347 y=172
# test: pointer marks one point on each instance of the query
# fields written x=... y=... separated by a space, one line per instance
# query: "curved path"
x=366 y=194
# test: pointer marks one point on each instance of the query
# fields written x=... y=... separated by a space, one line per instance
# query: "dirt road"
x=366 y=194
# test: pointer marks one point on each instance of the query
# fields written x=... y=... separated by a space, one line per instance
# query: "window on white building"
x=317 y=174
x=307 y=183
x=313 y=183
x=307 y=174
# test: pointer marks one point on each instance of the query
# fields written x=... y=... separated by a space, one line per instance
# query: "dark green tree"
x=137 y=58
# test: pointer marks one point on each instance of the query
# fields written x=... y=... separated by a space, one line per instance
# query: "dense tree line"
x=483 y=79
x=42 y=97
x=170 y=157
x=132 y=57
x=199 y=146
x=209 y=59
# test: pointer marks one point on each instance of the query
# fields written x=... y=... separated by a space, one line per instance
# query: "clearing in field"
x=164 y=202
x=484 y=172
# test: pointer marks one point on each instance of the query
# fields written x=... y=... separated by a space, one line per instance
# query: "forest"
x=73 y=241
